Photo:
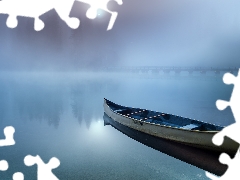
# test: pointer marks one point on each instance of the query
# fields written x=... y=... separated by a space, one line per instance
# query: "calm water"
x=61 y=115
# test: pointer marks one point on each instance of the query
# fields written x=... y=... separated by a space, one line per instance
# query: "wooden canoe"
x=168 y=126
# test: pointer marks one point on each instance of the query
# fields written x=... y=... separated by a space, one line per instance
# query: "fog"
x=146 y=33
x=61 y=115
x=47 y=97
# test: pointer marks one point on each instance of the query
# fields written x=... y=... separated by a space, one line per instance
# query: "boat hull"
x=201 y=158
x=201 y=139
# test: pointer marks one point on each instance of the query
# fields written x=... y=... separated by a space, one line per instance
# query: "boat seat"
x=190 y=126
x=118 y=110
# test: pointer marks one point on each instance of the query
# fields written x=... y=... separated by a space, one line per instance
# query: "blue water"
x=61 y=115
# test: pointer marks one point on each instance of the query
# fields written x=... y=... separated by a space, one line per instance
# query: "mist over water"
x=52 y=84
x=150 y=33
x=61 y=114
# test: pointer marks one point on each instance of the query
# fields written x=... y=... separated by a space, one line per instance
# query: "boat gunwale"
x=165 y=126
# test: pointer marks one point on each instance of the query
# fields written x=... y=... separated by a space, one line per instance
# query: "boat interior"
x=162 y=118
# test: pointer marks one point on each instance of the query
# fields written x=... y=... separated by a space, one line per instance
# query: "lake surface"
x=61 y=115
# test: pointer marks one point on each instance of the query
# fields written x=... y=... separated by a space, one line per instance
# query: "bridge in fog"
x=168 y=69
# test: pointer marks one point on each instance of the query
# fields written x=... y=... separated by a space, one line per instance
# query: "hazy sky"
x=151 y=32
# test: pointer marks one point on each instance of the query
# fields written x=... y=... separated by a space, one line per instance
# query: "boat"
x=168 y=126
x=201 y=158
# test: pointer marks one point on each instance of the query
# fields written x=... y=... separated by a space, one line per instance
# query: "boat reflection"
x=204 y=159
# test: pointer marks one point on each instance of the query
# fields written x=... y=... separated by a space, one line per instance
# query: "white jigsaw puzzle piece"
x=235 y=97
x=231 y=131
x=3 y=165
x=9 y=133
x=36 y=8
x=8 y=141
x=233 y=167
x=19 y=176
x=44 y=170
x=101 y=4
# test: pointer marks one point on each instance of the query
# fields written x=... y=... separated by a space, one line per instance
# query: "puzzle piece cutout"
x=44 y=170
x=9 y=133
x=101 y=4
x=36 y=8
x=3 y=165
x=228 y=78
x=231 y=131
x=18 y=176
x=233 y=167
x=8 y=141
